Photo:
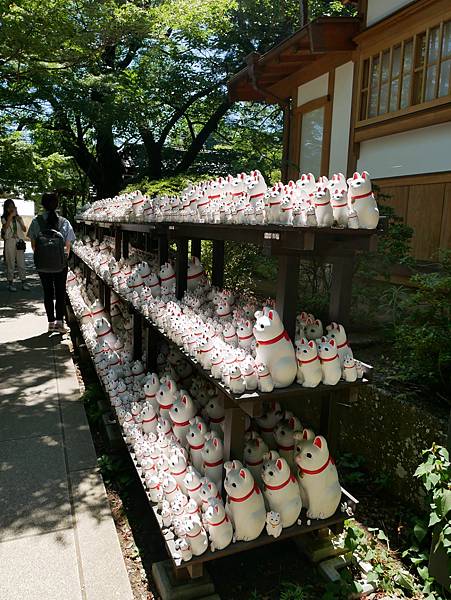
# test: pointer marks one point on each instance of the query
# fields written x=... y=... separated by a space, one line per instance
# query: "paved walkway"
x=57 y=536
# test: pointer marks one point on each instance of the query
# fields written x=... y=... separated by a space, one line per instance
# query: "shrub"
x=422 y=340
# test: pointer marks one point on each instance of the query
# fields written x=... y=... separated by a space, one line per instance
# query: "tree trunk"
x=111 y=169
x=199 y=141
x=154 y=153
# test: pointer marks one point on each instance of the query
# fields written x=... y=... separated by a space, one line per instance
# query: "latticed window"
x=412 y=72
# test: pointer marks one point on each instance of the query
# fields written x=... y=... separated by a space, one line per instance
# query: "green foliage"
x=294 y=591
x=115 y=471
x=114 y=80
x=351 y=468
x=167 y=186
x=24 y=168
x=370 y=297
x=91 y=398
x=385 y=573
x=421 y=340
x=435 y=474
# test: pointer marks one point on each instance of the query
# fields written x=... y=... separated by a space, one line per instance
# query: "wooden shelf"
x=250 y=401
x=335 y=522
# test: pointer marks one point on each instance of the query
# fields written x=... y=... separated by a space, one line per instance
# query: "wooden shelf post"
x=125 y=239
x=137 y=336
x=163 y=249
x=181 y=267
x=196 y=248
x=217 y=276
x=152 y=350
x=117 y=243
x=287 y=291
x=341 y=288
x=234 y=430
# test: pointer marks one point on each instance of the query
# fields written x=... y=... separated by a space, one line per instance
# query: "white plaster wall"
x=341 y=118
x=313 y=89
x=379 y=9
x=425 y=150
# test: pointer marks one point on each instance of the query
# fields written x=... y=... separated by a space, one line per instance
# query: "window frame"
x=372 y=54
x=324 y=102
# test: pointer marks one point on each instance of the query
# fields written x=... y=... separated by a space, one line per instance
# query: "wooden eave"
x=303 y=48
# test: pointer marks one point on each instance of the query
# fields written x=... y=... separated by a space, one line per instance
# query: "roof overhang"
x=303 y=48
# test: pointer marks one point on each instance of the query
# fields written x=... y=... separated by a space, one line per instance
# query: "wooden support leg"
x=341 y=289
x=152 y=350
x=125 y=239
x=163 y=250
x=117 y=244
x=196 y=247
x=217 y=276
x=329 y=423
x=287 y=292
x=181 y=267
x=107 y=298
x=234 y=429
x=196 y=570
x=137 y=336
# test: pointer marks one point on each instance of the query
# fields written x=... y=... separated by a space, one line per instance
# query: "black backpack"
x=49 y=255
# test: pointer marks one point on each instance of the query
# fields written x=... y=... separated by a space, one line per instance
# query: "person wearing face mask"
x=13 y=230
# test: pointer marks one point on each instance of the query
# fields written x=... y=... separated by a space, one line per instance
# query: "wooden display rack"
x=337 y=247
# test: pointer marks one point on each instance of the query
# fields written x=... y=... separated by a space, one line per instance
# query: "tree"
x=110 y=77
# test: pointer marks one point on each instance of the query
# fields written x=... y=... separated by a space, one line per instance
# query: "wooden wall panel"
x=445 y=234
x=399 y=197
x=424 y=215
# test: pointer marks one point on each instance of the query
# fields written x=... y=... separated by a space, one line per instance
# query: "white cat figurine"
x=274 y=347
x=218 y=524
x=244 y=502
x=361 y=199
x=273 y=523
x=310 y=373
x=281 y=490
x=319 y=479
x=330 y=361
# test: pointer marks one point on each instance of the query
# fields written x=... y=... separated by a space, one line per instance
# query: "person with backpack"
x=51 y=237
x=13 y=230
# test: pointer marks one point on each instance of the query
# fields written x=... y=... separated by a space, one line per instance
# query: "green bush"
x=422 y=339
x=166 y=186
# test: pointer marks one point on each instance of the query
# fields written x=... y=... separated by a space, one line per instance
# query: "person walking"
x=13 y=232
x=51 y=237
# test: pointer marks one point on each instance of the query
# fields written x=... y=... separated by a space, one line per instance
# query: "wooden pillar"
x=107 y=297
x=163 y=249
x=196 y=247
x=137 y=336
x=152 y=350
x=117 y=243
x=181 y=267
x=287 y=292
x=125 y=239
x=217 y=276
x=341 y=289
x=234 y=429
x=329 y=417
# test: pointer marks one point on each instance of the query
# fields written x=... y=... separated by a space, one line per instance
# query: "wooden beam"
x=217 y=276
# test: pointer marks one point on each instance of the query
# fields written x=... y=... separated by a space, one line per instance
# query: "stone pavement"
x=57 y=536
